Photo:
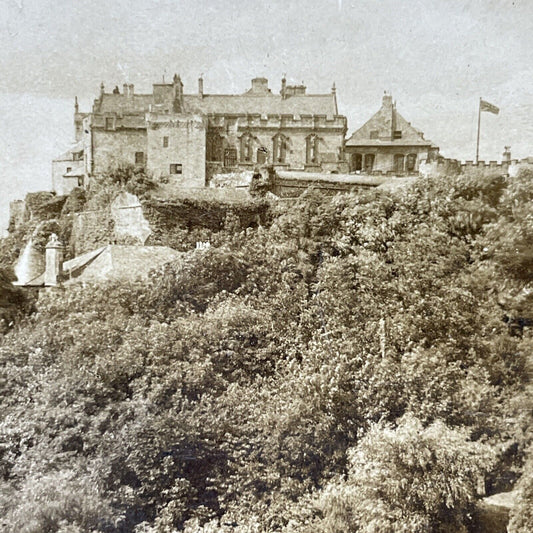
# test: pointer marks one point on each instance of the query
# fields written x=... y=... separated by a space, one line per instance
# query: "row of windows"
x=281 y=147
x=402 y=163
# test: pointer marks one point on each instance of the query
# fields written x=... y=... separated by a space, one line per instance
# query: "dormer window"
x=110 y=123
x=374 y=134
x=397 y=134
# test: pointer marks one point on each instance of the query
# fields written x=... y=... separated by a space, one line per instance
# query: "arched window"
x=247 y=142
x=311 y=149
x=214 y=148
x=410 y=163
x=280 y=145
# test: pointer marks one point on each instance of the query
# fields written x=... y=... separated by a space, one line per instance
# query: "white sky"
x=436 y=57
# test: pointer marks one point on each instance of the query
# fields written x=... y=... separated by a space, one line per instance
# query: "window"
x=165 y=142
x=311 y=151
x=214 y=147
x=369 y=162
x=247 y=148
x=357 y=162
x=176 y=168
x=397 y=134
x=230 y=157
x=69 y=169
x=109 y=123
x=280 y=144
x=410 y=163
x=398 y=163
x=374 y=134
x=262 y=155
x=139 y=158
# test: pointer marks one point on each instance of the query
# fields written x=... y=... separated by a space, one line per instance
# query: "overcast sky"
x=436 y=58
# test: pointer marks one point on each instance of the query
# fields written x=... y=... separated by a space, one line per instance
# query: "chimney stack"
x=76 y=106
x=200 y=86
x=283 y=87
x=54 y=261
x=130 y=89
x=125 y=89
x=387 y=100
x=102 y=88
x=507 y=154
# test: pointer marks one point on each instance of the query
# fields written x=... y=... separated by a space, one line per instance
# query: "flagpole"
x=478 y=128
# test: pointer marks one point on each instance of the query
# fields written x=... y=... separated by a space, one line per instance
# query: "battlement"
x=442 y=166
x=219 y=120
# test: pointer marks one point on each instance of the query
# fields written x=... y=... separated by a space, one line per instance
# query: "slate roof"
x=116 y=262
x=264 y=104
x=111 y=262
x=227 y=104
x=385 y=122
x=120 y=103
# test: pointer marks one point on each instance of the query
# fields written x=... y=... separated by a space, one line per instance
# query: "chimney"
x=507 y=154
x=200 y=86
x=76 y=106
x=130 y=89
x=283 y=87
x=125 y=89
x=259 y=85
x=102 y=88
x=387 y=100
x=54 y=261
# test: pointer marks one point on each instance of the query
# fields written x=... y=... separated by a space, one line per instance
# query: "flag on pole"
x=485 y=106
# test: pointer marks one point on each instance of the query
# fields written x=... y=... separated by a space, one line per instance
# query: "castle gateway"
x=190 y=137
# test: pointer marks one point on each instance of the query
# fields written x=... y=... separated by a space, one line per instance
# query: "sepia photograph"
x=266 y=267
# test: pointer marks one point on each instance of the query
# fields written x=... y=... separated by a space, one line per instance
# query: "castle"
x=187 y=138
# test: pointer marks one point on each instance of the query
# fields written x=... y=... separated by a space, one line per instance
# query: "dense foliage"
x=359 y=365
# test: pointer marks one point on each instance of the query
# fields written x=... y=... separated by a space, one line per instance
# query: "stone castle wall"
x=177 y=140
x=113 y=148
x=444 y=166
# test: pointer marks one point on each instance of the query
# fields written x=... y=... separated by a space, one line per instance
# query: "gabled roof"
x=68 y=155
x=379 y=130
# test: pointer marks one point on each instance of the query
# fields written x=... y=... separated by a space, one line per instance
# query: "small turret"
x=54 y=261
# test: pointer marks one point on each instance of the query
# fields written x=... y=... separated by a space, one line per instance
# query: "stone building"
x=186 y=138
x=388 y=144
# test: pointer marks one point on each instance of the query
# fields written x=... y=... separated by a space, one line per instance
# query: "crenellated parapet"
x=278 y=121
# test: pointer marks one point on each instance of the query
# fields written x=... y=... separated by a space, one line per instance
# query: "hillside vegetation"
x=362 y=364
